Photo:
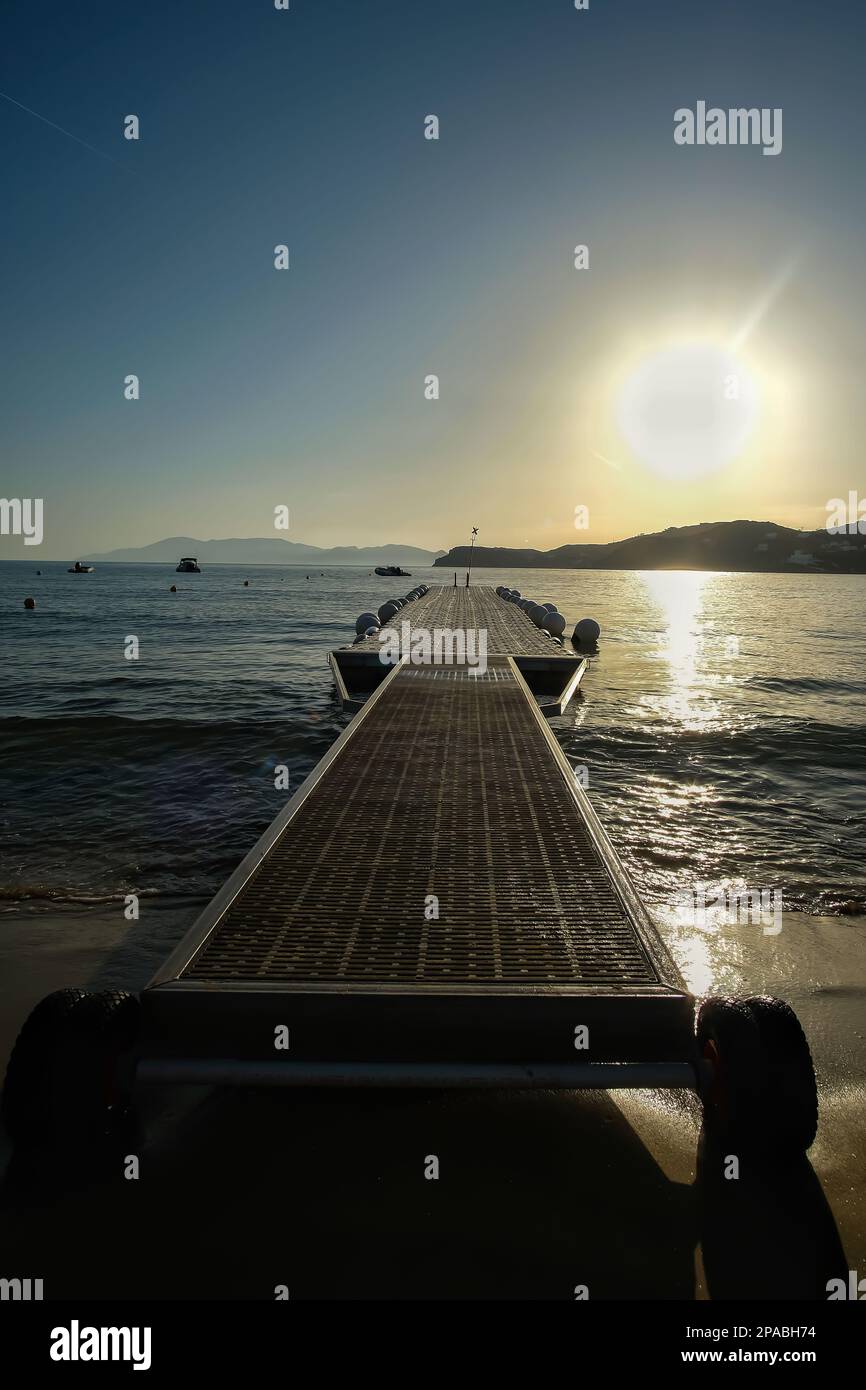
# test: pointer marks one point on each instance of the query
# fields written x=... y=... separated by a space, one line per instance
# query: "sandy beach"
x=540 y=1192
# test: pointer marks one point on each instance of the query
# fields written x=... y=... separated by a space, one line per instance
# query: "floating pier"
x=552 y=672
x=437 y=903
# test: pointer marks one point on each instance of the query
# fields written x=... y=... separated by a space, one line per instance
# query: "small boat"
x=78 y=568
x=188 y=565
x=393 y=571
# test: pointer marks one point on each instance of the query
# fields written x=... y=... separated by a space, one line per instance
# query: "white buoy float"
x=586 y=632
x=554 y=623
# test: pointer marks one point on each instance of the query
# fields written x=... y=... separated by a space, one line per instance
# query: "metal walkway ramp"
x=446 y=790
x=438 y=894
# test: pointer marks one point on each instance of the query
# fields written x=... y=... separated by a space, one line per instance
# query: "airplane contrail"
x=55 y=126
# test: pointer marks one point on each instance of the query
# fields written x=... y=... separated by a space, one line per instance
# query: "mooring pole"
x=471 y=544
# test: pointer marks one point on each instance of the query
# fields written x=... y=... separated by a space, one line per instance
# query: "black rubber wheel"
x=728 y=1039
x=791 y=1073
x=763 y=1098
x=64 y=1082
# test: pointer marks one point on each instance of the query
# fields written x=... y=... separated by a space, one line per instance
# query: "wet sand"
x=538 y=1192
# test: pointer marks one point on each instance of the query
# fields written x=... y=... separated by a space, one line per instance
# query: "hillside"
x=266 y=550
x=719 y=545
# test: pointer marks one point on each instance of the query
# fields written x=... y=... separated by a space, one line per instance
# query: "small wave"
x=82 y=897
x=810 y=901
x=790 y=741
x=838 y=902
x=101 y=723
x=807 y=684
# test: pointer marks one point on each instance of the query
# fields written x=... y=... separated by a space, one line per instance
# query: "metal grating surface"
x=447 y=787
x=509 y=631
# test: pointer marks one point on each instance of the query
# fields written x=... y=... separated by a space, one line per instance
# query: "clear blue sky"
x=411 y=257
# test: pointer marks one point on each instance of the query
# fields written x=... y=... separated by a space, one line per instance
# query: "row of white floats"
x=368 y=624
x=547 y=618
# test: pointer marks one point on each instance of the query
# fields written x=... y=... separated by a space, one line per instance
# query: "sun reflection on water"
x=688 y=646
x=688 y=670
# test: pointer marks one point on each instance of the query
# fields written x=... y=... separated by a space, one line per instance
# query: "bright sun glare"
x=688 y=409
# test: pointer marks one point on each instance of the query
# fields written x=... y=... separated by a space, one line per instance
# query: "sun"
x=688 y=409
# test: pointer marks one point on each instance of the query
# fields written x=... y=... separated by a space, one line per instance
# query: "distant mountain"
x=265 y=550
x=715 y=545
